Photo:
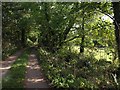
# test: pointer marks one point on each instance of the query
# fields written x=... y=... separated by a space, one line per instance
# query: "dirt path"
x=6 y=64
x=34 y=77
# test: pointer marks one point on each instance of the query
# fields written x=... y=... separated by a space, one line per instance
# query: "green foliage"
x=42 y=24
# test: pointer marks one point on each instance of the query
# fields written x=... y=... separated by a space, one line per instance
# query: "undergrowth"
x=66 y=69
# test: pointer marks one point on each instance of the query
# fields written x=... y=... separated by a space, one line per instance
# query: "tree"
x=83 y=34
x=116 y=9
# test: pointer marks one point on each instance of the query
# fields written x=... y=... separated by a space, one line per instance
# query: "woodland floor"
x=34 y=77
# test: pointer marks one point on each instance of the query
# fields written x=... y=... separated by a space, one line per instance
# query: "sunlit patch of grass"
x=97 y=52
x=102 y=54
x=16 y=75
x=76 y=49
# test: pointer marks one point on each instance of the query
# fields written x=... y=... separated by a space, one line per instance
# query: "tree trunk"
x=116 y=9
x=83 y=35
x=82 y=44
x=23 y=37
x=67 y=30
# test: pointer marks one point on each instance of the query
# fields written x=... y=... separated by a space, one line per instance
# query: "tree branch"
x=71 y=39
x=110 y=16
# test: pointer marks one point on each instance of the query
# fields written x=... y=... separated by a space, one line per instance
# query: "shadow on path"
x=6 y=64
x=34 y=77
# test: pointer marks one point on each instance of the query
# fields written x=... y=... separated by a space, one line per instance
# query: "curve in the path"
x=34 y=77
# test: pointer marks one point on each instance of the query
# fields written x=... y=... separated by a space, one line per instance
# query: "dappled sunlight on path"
x=6 y=64
x=34 y=78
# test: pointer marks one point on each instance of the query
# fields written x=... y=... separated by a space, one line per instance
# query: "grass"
x=16 y=76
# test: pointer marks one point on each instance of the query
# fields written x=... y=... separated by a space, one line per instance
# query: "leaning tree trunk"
x=116 y=9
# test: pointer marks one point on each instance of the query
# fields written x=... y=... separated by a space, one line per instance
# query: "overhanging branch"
x=110 y=16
